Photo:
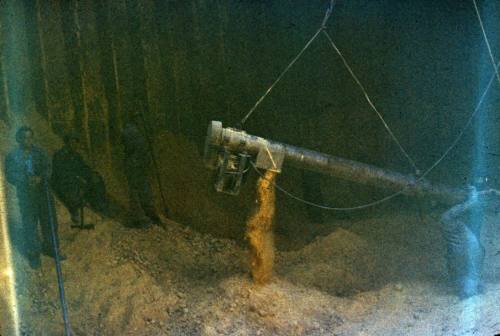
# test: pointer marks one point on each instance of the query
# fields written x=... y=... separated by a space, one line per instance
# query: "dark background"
x=85 y=65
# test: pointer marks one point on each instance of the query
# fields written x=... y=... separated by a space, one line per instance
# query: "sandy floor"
x=174 y=281
x=381 y=275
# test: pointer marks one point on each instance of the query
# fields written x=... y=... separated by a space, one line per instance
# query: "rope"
x=325 y=20
x=486 y=40
x=348 y=67
x=57 y=259
x=420 y=178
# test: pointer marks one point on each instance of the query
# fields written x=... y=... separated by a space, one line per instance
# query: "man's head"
x=480 y=182
x=136 y=117
x=24 y=137
x=72 y=141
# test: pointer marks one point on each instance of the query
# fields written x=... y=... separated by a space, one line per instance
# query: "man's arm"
x=57 y=168
x=84 y=169
x=13 y=173
x=457 y=210
x=475 y=199
x=45 y=168
x=128 y=141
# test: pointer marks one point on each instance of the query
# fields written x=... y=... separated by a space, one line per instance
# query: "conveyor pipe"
x=238 y=141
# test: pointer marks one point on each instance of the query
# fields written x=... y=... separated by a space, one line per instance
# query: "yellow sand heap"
x=259 y=230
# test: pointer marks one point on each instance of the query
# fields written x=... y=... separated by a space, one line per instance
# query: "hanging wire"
x=348 y=67
x=420 y=178
x=323 y=29
x=323 y=24
x=495 y=67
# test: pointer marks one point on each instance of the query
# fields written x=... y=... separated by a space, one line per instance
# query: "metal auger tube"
x=238 y=141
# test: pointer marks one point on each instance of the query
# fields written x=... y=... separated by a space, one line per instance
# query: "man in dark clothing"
x=137 y=169
x=461 y=227
x=74 y=182
x=28 y=169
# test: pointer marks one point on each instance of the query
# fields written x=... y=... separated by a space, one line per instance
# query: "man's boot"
x=50 y=253
x=75 y=217
x=155 y=219
x=469 y=286
x=34 y=261
x=139 y=220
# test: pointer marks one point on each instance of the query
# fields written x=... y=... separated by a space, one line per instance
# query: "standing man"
x=461 y=227
x=138 y=167
x=28 y=169
x=74 y=182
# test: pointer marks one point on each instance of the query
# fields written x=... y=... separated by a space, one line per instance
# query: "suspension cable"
x=365 y=93
x=323 y=24
x=495 y=67
x=323 y=29
x=420 y=178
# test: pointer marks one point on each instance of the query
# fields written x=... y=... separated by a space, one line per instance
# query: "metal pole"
x=55 y=245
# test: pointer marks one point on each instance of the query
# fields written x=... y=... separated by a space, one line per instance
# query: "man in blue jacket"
x=461 y=227
x=28 y=169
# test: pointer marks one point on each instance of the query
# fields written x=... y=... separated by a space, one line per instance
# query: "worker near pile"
x=74 y=182
x=138 y=166
x=461 y=227
x=28 y=169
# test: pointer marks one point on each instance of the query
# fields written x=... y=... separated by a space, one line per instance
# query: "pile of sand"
x=175 y=281
x=382 y=275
